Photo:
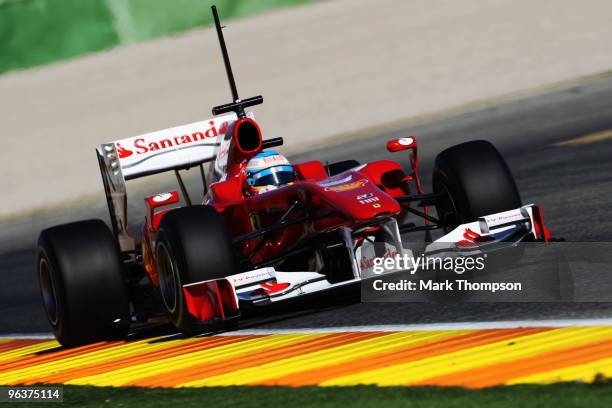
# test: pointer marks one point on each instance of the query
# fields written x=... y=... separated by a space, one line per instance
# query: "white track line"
x=435 y=326
x=392 y=328
x=27 y=336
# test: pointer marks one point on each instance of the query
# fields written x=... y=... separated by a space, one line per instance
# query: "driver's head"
x=267 y=171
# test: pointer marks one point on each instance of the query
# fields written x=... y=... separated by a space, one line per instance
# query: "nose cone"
x=357 y=197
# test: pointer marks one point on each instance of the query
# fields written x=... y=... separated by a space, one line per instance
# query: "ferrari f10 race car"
x=202 y=263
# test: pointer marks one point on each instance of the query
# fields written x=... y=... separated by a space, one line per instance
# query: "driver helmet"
x=267 y=171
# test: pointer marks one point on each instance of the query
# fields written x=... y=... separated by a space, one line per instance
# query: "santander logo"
x=471 y=239
x=273 y=287
x=123 y=152
x=140 y=145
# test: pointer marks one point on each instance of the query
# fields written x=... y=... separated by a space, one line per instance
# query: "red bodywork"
x=352 y=198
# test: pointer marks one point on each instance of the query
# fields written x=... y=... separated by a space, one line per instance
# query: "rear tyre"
x=473 y=180
x=81 y=283
x=193 y=245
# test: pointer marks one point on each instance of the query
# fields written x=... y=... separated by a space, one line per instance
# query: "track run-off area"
x=471 y=358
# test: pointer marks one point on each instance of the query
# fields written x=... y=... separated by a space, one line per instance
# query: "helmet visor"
x=274 y=176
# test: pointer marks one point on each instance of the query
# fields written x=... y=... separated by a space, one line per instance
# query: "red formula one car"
x=201 y=263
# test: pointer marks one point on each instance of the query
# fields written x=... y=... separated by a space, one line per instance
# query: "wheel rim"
x=168 y=279
x=48 y=291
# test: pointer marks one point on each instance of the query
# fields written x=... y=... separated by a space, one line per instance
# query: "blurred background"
x=37 y=32
x=77 y=73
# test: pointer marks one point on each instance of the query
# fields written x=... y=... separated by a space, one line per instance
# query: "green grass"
x=557 y=395
x=36 y=32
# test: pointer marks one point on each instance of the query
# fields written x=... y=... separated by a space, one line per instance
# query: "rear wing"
x=177 y=148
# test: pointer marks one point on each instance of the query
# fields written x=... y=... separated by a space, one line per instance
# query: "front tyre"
x=192 y=245
x=472 y=180
x=80 y=275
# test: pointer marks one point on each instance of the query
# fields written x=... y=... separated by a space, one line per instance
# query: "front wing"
x=221 y=299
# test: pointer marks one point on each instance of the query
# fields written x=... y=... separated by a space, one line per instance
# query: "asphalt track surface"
x=573 y=183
